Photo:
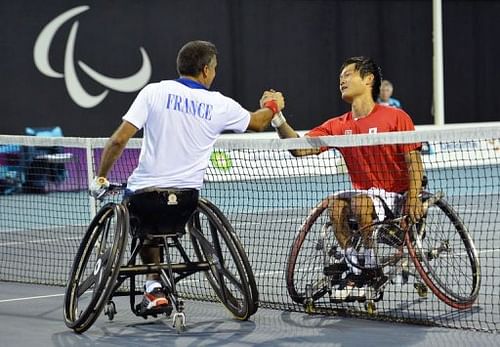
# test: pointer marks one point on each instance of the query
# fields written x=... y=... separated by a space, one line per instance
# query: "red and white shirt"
x=381 y=166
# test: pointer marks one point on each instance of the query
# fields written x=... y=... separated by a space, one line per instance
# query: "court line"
x=16 y=243
x=31 y=298
x=259 y=274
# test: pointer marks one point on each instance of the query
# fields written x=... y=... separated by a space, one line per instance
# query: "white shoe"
x=348 y=292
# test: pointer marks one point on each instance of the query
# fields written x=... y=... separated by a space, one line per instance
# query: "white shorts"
x=392 y=200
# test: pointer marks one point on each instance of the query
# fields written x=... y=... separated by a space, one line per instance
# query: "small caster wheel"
x=179 y=322
x=405 y=276
x=308 y=302
x=110 y=310
x=422 y=290
x=370 y=307
x=309 y=308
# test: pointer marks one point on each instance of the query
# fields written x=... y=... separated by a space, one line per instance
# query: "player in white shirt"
x=181 y=119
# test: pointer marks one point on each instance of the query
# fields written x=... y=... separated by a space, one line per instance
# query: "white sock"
x=370 y=260
x=152 y=285
x=352 y=259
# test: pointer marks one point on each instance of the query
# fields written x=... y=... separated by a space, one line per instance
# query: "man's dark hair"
x=366 y=66
x=193 y=56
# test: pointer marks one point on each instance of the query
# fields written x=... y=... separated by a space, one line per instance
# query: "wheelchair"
x=209 y=245
x=437 y=252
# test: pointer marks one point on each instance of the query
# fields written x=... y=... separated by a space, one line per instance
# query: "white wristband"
x=278 y=120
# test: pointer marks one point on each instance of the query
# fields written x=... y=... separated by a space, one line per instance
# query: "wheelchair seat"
x=158 y=212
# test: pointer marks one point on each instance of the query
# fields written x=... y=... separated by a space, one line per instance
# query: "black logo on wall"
x=75 y=89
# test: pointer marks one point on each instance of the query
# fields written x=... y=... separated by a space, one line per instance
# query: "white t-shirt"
x=181 y=123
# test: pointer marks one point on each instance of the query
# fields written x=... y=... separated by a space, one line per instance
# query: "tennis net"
x=267 y=195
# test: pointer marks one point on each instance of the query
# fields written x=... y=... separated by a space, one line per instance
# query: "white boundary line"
x=31 y=298
x=260 y=274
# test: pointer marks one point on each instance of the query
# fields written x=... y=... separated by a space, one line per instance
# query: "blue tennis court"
x=39 y=235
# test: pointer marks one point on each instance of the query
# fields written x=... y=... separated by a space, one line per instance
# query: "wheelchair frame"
x=217 y=249
x=425 y=247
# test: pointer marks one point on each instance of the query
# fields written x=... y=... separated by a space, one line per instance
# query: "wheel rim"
x=226 y=276
x=445 y=256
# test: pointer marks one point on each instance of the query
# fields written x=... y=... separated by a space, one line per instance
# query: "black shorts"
x=161 y=210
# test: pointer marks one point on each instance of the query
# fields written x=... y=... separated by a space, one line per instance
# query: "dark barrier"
x=80 y=64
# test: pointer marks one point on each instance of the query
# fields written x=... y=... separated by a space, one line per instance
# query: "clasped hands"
x=270 y=95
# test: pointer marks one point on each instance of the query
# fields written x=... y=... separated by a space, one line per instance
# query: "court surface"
x=31 y=315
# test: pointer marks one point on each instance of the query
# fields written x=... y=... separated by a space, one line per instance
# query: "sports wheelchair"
x=439 y=246
x=99 y=272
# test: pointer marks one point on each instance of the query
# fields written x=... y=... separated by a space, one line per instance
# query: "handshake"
x=275 y=102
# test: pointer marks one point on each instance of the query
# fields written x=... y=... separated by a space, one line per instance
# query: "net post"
x=90 y=175
x=437 y=62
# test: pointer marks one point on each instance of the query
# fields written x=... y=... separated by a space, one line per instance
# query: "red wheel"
x=444 y=255
x=306 y=259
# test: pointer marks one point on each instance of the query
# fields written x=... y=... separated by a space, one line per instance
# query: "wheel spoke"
x=230 y=277
x=85 y=285
x=96 y=267
x=445 y=256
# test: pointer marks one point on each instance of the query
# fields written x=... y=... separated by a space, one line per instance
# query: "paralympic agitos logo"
x=75 y=89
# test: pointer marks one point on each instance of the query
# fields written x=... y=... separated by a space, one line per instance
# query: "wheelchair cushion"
x=162 y=211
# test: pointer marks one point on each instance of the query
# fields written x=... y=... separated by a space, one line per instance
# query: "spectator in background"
x=386 y=89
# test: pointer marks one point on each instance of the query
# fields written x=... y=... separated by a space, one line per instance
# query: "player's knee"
x=362 y=208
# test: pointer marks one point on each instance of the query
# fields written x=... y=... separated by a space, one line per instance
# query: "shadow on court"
x=32 y=315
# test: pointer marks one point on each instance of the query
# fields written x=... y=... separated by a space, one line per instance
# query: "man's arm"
x=260 y=119
x=414 y=207
x=285 y=131
x=114 y=147
x=271 y=102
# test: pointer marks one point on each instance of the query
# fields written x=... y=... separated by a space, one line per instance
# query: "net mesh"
x=269 y=196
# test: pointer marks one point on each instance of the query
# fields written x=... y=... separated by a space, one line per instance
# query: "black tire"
x=306 y=258
x=444 y=254
x=254 y=293
x=213 y=242
x=96 y=267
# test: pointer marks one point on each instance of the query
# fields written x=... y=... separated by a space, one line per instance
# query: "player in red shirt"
x=382 y=172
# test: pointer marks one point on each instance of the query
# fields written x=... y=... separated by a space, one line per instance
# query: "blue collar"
x=190 y=83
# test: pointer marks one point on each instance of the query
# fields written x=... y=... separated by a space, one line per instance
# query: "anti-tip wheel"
x=110 y=310
x=370 y=307
x=309 y=307
x=179 y=321
x=422 y=290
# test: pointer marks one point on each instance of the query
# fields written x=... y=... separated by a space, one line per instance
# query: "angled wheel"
x=444 y=254
x=96 y=267
x=254 y=293
x=230 y=273
x=305 y=277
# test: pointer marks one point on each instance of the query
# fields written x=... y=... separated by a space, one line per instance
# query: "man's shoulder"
x=395 y=116
x=154 y=86
x=340 y=118
x=165 y=83
x=331 y=125
x=384 y=109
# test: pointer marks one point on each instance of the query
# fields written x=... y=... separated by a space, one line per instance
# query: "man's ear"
x=205 y=71
x=369 y=79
